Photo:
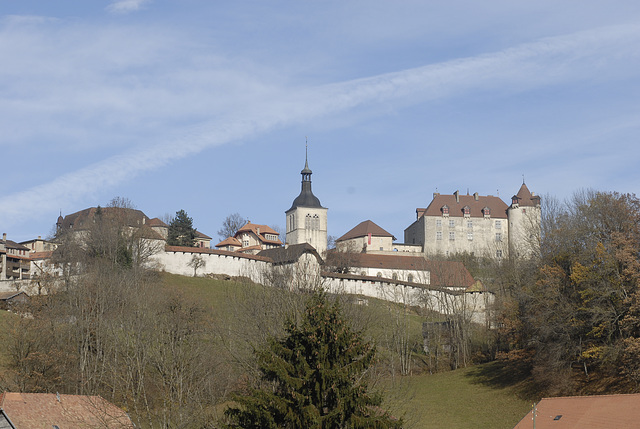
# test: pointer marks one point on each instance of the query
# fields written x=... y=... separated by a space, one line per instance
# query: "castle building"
x=480 y=225
x=306 y=220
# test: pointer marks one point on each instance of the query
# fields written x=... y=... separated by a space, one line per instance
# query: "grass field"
x=455 y=399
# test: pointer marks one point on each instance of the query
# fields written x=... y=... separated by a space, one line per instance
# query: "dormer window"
x=514 y=200
x=445 y=210
x=486 y=211
x=466 y=210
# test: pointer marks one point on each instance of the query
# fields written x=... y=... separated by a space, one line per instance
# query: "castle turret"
x=524 y=216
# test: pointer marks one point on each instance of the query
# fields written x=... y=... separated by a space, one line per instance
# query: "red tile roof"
x=526 y=198
x=264 y=229
x=45 y=410
x=230 y=241
x=202 y=236
x=35 y=256
x=363 y=229
x=253 y=227
x=155 y=222
x=585 y=412
x=496 y=205
x=9 y=244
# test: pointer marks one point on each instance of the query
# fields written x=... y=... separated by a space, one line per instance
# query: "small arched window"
x=379 y=274
x=410 y=277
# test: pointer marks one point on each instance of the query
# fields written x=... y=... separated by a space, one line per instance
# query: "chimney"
x=4 y=237
x=475 y=196
x=258 y=228
x=39 y=237
x=457 y=194
x=435 y=194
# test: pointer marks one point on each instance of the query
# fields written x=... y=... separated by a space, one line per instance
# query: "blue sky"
x=205 y=105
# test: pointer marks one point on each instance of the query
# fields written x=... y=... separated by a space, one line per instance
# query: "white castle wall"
x=215 y=262
x=473 y=306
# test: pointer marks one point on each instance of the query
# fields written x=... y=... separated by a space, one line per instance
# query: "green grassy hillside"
x=464 y=398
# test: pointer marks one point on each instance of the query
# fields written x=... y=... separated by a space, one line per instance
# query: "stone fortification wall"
x=473 y=306
x=177 y=260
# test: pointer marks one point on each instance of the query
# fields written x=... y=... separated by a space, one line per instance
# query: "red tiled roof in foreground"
x=47 y=410
x=585 y=412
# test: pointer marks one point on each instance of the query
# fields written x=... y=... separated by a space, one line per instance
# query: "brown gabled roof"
x=229 y=241
x=156 y=222
x=585 y=412
x=9 y=244
x=264 y=229
x=202 y=236
x=496 y=205
x=442 y=273
x=35 y=256
x=47 y=410
x=526 y=198
x=80 y=220
x=363 y=229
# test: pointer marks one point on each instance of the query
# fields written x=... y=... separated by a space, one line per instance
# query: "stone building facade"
x=480 y=225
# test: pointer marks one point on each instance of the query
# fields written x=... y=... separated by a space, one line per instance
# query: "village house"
x=14 y=260
x=251 y=238
x=368 y=237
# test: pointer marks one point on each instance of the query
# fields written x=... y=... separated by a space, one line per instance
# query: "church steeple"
x=306 y=220
x=306 y=197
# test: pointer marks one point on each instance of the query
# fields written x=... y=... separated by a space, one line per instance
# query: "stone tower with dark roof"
x=306 y=220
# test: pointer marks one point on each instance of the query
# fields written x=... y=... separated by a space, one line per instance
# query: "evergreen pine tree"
x=181 y=230
x=314 y=377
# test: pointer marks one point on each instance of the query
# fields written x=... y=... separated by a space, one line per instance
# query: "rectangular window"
x=498 y=236
x=439 y=235
x=498 y=224
x=452 y=223
x=470 y=236
x=438 y=223
x=469 y=224
x=452 y=235
x=499 y=253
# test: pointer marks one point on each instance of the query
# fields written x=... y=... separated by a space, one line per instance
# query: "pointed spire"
x=306 y=172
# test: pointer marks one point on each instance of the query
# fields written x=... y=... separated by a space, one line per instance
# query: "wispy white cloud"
x=585 y=55
x=126 y=6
